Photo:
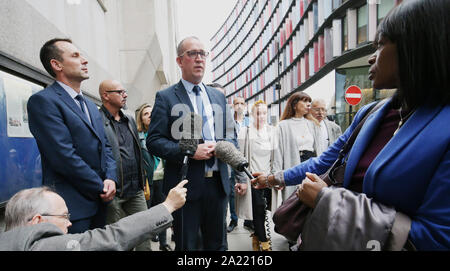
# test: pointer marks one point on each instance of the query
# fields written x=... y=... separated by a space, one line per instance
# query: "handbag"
x=291 y=216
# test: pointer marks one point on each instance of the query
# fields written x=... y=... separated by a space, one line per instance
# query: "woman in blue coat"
x=396 y=192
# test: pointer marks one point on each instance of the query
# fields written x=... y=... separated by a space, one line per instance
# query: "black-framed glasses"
x=66 y=216
x=118 y=91
x=193 y=54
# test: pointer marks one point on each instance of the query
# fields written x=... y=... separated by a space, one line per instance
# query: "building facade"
x=133 y=41
x=269 y=49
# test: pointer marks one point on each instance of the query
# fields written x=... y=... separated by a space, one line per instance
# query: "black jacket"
x=111 y=134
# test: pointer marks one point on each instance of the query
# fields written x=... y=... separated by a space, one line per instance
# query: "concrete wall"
x=133 y=40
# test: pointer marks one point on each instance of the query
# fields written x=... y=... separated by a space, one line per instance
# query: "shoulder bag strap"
x=348 y=145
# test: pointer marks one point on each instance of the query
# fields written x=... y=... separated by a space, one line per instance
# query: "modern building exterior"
x=133 y=41
x=268 y=49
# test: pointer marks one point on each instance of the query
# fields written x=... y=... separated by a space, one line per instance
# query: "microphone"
x=192 y=130
x=228 y=154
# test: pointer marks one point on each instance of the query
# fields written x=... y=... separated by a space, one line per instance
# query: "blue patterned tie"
x=205 y=129
x=80 y=99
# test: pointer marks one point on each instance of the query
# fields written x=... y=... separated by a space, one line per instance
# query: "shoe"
x=155 y=238
x=265 y=246
x=248 y=224
x=255 y=242
x=233 y=224
x=165 y=248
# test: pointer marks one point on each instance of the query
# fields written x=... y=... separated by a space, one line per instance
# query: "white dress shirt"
x=74 y=94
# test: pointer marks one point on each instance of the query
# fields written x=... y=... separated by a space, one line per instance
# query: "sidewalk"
x=239 y=239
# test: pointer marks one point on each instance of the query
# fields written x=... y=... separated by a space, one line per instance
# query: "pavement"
x=239 y=239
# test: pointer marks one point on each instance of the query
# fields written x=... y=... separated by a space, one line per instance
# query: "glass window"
x=18 y=150
x=383 y=9
x=362 y=24
x=357 y=76
x=336 y=4
x=345 y=34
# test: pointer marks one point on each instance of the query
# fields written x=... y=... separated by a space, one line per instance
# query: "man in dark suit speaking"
x=76 y=157
x=209 y=184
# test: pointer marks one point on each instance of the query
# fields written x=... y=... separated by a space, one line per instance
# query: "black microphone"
x=227 y=153
x=192 y=130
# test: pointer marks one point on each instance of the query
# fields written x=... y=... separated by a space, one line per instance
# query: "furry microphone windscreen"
x=192 y=131
x=228 y=154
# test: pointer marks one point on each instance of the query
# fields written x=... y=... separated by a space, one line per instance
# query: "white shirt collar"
x=69 y=90
x=190 y=87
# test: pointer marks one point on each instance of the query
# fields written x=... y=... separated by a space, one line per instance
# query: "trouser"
x=156 y=197
x=231 y=200
x=119 y=208
x=259 y=211
x=206 y=214
x=90 y=223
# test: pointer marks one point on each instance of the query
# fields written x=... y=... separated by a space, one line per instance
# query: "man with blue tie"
x=77 y=161
x=208 y=177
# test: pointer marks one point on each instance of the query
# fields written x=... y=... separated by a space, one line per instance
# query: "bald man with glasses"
x=123 y=136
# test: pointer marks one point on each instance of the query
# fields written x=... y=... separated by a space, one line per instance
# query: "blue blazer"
x=76 y=156
x=171 y=106
x=411 y=173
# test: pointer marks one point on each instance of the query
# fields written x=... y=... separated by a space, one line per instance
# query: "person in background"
x=239 y=107
x=400 y=197
x=122 y=134
x=77 y=160
x=154 y=168
x=329 y=131
x=220 y=88
x=298 y=137
x=298 y=140
x=38 y=219
x=256 y=142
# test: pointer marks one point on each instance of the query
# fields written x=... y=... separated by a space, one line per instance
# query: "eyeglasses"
x=319 y=110
x=66 y=216
x=120 y=92
x=194 y=54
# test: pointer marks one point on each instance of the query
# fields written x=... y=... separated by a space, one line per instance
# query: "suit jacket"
x=171 y=107
x=125 y=234
x=411 y=173
x=76 y=155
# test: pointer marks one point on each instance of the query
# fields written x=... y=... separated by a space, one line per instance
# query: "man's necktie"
x=80 y=99
x=205 y=129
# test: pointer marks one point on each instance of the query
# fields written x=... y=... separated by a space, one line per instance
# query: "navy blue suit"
x=171 y=106
x=76 y=156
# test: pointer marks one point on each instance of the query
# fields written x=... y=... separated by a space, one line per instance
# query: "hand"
x=176 y=197
x=205 y=151
x=109 y=190
x=241 y=188
x=310 y=188
x=260 y=181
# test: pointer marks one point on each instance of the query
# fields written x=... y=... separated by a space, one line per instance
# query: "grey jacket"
x=125 y=234
x=345 y=220
x=334 y=131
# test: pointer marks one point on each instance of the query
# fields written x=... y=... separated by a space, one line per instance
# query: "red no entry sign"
x=353 y=95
